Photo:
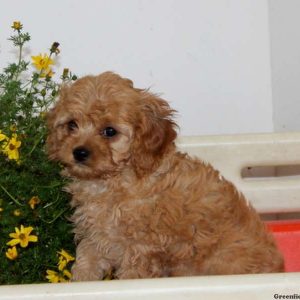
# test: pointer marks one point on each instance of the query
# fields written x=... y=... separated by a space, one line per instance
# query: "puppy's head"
x=102 y=124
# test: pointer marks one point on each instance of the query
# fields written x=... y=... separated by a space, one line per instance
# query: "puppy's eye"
x=109 y=132
x=72 y=125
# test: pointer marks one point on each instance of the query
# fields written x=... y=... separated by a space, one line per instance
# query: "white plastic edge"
x=262 y=286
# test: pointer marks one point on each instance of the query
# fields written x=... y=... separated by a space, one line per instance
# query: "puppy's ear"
x=154 y=135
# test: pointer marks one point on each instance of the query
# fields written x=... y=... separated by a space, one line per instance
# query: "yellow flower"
x=13 y=127
x=1 y=209
x=52 y=276
x=17 y=212
x=12 y=253
x=61 y=263
x=63 y=275
x=42 y=62
x=22 y=236
x=3 y=137
x=11 y=148
x=48 y=74
x=17 y=25
x=65 y=255
x=67 y=274
x=34 y=201
x=55 y=277
x=64 y=259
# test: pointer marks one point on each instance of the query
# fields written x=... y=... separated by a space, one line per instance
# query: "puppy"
x=143 y=209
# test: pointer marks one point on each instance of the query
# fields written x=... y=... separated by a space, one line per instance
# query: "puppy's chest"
x=118 y=212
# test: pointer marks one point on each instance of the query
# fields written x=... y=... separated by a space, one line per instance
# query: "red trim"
x=284 y=226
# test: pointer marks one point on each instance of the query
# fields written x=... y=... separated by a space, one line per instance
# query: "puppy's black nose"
x=81 y=154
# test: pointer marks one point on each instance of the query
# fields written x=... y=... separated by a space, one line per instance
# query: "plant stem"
x=35 y=145
x=10 y=196
x=55 y=218
x=21 y=43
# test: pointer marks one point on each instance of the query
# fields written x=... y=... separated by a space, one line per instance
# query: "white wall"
x=210 y=59
x=285 y=50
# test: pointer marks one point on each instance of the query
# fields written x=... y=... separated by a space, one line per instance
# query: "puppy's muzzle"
x=81 y=154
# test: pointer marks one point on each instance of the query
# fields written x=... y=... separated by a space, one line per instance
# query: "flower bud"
x=43 y=92
x=65 y=73
x=54 y=48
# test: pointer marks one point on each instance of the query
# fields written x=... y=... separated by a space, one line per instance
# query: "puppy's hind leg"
x=244 y=260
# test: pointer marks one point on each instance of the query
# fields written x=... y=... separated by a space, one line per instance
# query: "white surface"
x=245 y=287
x=210 y=59
x=229 y=154
x=285 y=53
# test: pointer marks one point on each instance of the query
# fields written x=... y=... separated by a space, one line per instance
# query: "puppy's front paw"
x=81 y=273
